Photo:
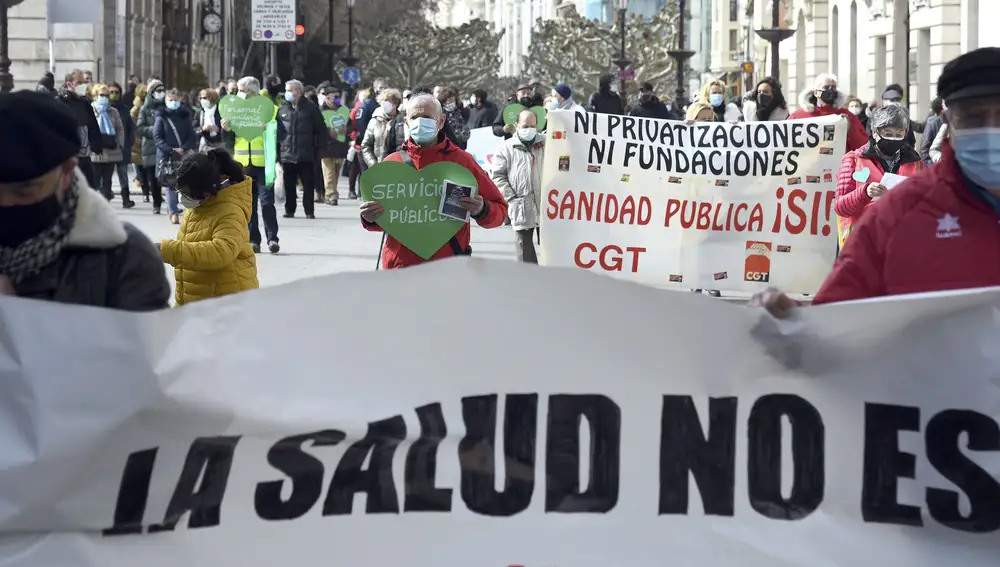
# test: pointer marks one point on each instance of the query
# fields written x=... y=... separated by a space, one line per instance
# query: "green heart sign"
x=511 y=111
x=337 y=120
x=412 y=198
x=248 y=117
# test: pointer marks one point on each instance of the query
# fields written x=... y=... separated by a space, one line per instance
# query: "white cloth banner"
x=482 y=145
x=709 y=205
x=570 y=426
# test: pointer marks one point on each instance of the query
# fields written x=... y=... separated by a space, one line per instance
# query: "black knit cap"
x=970 y=75
x=38 y=133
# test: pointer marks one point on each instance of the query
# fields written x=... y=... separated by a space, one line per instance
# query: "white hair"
x=823 y=78
x=295 y=83
x=251 y=84
x=427 y=100
x=379 y=84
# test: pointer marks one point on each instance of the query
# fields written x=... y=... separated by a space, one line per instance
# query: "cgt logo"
x=757 y=266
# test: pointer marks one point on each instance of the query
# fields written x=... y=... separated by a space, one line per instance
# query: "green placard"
x=412 y=198
x=511 y=111
x=337 y=119
x=247 y=117
x=270 y=153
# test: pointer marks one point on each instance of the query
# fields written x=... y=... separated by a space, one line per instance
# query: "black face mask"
x=645 y=97
x=525 y=101
x=890 y=147
x=20 y=223
x=274 y=90
x=764 y=100
x=829 y=96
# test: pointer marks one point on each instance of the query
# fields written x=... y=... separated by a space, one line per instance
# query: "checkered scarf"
x=28 y=258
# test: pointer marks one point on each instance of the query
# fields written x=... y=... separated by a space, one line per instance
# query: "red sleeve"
x=799 y=114
x=857 y=274
x=850 y=199
x=495 y=211
x=856 y=134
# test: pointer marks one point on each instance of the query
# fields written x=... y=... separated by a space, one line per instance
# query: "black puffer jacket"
x=144 y=128
x=106 y=263
x=652 y=108
x=483 y=115
x=300 y=131
x=605 y=102
x=85 y=116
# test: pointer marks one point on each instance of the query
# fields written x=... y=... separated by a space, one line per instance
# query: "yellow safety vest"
x=249 y=153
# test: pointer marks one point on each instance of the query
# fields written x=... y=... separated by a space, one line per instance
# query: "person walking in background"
x=138 y=99
x=112 y=142
x=457 y=120
x=209 y=124
x=517 y=172
x=211 y=255
x=525 y=96
x=858 y=109
x=333 y=150
x=562 y=99
x=766 y=103
x=355 y=161
x=250 y=155
x=300 y=131
x=714 y=93
x=825 y=99
x=155 y=101
x=375 y=146
x=934 y=124
x=893 y=96
x=123 y=106
x=604 y=101
x=174 y=134
x=482 y=112
x=86 y=123
x=59 y=240
x=885 y=152
x=649 y=105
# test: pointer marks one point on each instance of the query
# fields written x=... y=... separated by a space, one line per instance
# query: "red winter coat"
x=852 y=196
x=394 y=254
x=932 y=232
x=856 y=135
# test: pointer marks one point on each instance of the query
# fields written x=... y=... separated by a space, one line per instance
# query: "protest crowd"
x=67 y=145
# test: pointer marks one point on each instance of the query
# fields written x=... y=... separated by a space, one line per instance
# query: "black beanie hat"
x=39 y=133
x=970 y=75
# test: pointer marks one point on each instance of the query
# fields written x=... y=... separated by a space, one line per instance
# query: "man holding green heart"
x=426 y=145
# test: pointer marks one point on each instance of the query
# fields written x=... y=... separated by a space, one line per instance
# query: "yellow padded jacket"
x=212 y=255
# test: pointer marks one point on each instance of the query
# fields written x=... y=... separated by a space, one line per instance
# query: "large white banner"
x=732 y=207
x=568 y=425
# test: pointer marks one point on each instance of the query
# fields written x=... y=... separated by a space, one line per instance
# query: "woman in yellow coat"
x=212 y=255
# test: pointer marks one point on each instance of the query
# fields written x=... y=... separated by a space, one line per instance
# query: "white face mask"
x=206 y=104
x=387 y=107
x=188 y=202
x=473 y=100
x=451 y=105
x=160 y=95
x=856 y=110
x=527 y=134
x=241 y=94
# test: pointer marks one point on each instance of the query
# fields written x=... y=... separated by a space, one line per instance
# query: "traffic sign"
x=748 y=66
x=272 y=20
x=352 y=76
x=626 y=75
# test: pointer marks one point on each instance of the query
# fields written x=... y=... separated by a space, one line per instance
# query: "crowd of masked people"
x=936 y=230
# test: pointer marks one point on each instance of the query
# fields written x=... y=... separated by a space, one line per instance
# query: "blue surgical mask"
x=423 y=130
x=715 y=99
x=289 y=96
x=102 y=102
x=978 y=153
x=173 y=104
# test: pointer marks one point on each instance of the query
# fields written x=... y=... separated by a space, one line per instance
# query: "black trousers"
x=291 y=173
x=147 y=178
x=87 y=168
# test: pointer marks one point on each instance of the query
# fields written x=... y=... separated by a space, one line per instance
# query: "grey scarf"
x=31 y=256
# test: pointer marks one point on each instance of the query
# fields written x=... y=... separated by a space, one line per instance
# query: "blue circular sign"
x=268 y=34
x=352 y=76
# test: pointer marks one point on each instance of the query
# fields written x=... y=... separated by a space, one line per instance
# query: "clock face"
x=212 y=23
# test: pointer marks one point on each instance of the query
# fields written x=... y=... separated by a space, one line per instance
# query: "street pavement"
x=332 y=243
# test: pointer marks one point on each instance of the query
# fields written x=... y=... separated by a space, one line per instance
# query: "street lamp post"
x=622 y=62
x=775 y=35
x=331 y=48
x=350 y=60
x=680 y=56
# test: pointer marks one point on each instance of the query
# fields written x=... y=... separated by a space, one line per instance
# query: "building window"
x=734 y=40
x=734 y=10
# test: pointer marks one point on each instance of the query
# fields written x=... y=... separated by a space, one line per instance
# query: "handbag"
x=166 y=167
x=109 y=141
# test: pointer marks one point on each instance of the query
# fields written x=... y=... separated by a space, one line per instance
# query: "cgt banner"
x=731 y=207
x=860 y=435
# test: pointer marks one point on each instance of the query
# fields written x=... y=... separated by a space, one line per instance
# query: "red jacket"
x=856 y=134
x=931 y=232
x=394 y=254
x=852 y=196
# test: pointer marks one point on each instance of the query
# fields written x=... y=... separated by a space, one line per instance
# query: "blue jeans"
x=265 y=195
x=173 y=201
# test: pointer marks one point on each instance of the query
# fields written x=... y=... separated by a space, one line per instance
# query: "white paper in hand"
x=891 y=180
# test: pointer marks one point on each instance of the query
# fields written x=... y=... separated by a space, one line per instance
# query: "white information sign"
x=272 y=20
